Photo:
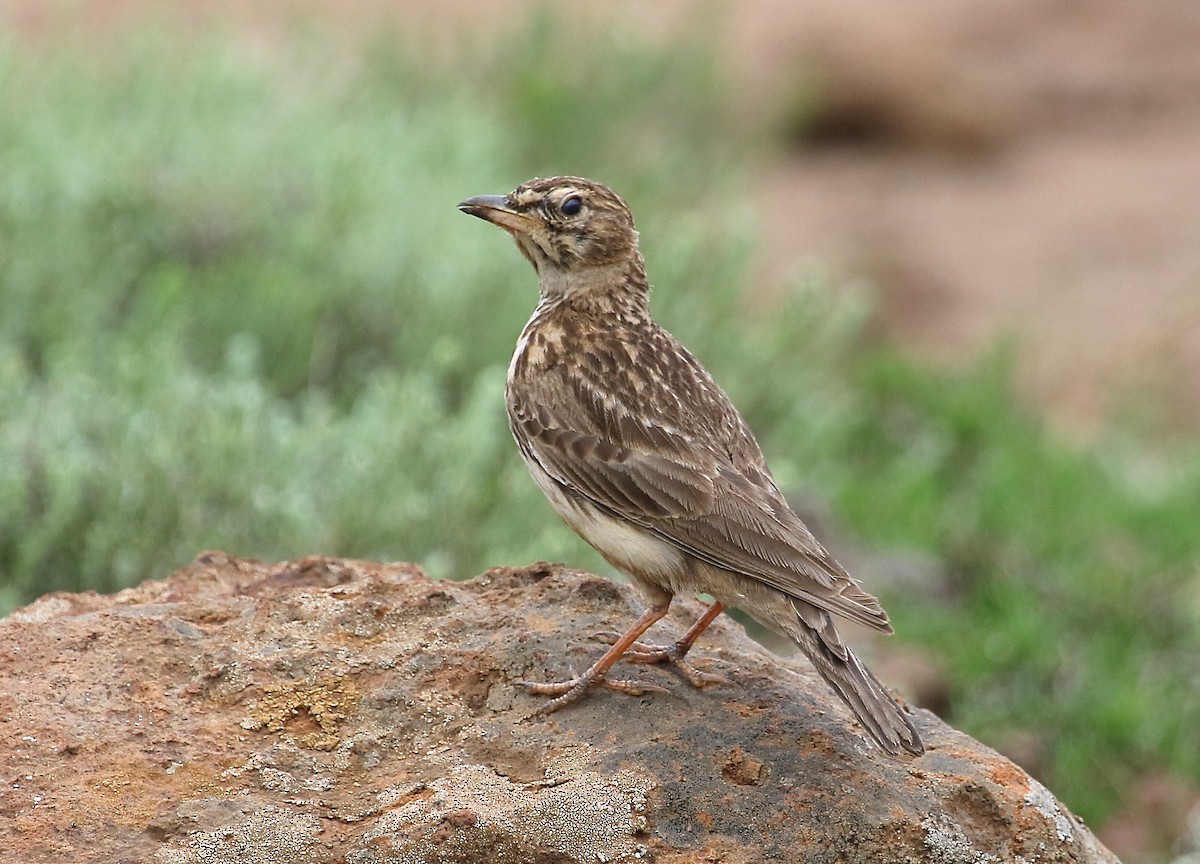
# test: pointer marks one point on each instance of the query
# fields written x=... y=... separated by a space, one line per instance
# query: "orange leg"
x=596 y=676
x=674 y=653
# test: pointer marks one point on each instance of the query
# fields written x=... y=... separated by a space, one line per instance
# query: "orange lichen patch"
x=745 y=710
x=1009 y=776
x=113 y=789
x=415 y=745
x=543 y=624
x=311 y=711
x=743 y=770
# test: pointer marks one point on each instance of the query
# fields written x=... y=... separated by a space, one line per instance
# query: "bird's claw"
x=566 y=692
x=640 y=652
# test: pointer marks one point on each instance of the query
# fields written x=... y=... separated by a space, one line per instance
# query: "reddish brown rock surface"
x=326 y=710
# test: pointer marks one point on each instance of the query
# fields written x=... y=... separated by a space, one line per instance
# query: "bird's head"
x=562 y=224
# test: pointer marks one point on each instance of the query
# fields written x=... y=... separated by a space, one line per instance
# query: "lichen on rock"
x=325 y=710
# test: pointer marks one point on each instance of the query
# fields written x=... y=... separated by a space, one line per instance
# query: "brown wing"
x=668 y=451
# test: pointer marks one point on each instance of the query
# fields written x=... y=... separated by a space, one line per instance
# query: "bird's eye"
x=571 y=206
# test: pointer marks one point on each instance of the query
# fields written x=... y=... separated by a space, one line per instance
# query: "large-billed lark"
x=645 y=457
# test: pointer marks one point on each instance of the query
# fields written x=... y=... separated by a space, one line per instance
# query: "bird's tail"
x=880 y=715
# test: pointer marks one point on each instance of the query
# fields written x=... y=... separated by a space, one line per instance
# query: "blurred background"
x=944 y=256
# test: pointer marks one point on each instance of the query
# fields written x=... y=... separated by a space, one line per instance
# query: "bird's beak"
x=497 y=210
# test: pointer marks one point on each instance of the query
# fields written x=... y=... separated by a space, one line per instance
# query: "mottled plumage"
x=645 y=457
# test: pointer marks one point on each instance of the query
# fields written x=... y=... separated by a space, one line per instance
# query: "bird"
x=645 y=457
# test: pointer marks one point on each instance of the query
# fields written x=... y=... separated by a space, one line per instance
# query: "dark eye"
x=572 y=206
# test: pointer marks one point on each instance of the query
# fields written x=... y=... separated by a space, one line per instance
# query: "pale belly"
x=660 y=569
x=642 y=557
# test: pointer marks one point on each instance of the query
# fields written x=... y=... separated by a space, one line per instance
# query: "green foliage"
x=240 y=310
x=1073 y=613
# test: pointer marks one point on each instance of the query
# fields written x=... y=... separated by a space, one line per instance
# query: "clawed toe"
x=626 y=645
x=697 y=678
x=551 y=688
x=640 y=652
x=566 y=692
x=632 y=686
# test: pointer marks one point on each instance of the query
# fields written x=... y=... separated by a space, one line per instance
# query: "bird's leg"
x=674 y=653
x=567 y=692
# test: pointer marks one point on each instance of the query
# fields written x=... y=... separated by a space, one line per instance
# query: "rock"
x=325 y=710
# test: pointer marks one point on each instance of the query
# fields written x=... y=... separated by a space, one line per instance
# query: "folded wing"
x=701 y=485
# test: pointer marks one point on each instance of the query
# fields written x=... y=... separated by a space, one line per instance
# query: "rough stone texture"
x=325 y=710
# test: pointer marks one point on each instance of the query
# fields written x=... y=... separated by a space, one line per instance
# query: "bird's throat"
x=528 y=250
x=619 y=285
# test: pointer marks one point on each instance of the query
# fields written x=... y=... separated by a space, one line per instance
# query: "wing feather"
x=696 y=479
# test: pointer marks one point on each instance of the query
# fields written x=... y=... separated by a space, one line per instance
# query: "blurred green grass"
x=240 y=310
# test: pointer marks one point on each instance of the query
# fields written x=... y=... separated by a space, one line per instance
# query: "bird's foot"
x=571 y=690
x=640 y=652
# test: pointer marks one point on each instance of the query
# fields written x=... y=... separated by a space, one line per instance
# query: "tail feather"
x=876 y=710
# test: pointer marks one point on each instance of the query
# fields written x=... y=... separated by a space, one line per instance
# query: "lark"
x=647 y=459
